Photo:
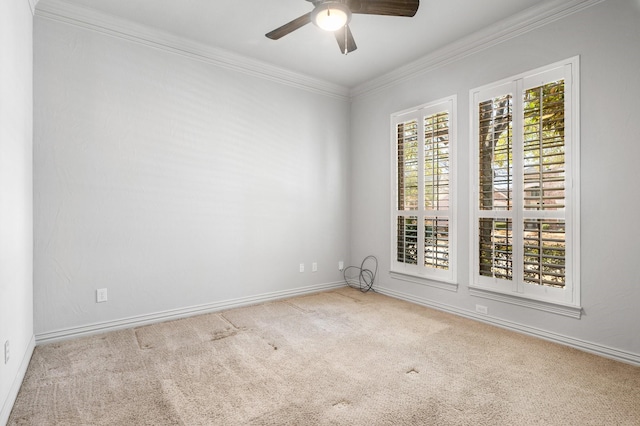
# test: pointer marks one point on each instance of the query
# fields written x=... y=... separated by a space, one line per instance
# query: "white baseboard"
x=7 y=404
x=139 y=320
x=604 y=351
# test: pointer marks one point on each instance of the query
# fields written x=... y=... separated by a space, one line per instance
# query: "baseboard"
x=140 y=320
x=604 y=351
x=7 y=405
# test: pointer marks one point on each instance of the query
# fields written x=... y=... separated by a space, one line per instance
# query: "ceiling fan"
x=334 y=16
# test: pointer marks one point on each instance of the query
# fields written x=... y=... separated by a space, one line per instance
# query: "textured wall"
x=606 y=37
x=16 y=205
x=174 y=182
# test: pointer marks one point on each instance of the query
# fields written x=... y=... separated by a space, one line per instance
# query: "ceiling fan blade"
x=289 y=27
x=384 y=7
x=345 y=40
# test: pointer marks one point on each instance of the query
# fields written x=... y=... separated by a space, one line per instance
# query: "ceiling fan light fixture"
x=331 y=15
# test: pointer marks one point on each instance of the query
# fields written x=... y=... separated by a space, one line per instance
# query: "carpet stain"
x=342 y=404
x=223 y=335
x=228 y=321
x=353 y=299
x=294 y=306
x=275 y=348
x=140 y=343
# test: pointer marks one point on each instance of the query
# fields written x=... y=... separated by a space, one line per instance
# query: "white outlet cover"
x=101 y=295
x=482 y=309
x=7 y=353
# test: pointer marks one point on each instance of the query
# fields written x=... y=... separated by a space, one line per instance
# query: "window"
x=423 y=199
x=525 y=188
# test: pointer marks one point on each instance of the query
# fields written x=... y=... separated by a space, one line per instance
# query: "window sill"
x=541 y=305
x=431 y=282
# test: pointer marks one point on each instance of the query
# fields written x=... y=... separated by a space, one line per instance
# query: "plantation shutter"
x=408 y=168
x=423 y=187
x=524 y=202
x=495 y=136
x=543 y=173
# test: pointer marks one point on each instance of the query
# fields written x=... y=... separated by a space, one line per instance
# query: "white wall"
x=606 y=37
x=174 y=182
x=16 y=205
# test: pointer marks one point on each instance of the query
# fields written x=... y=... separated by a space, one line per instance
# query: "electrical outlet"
x=314 y=267
x=340 y=265
x=302 y=267
x=482 y=309
x=7 y=352
x=101 y=295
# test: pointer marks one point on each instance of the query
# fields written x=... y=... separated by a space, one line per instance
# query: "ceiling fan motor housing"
x=330 y=15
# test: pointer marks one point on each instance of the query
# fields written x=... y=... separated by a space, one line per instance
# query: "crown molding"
x=32 y=5
x=514 y=26
x=61 y=11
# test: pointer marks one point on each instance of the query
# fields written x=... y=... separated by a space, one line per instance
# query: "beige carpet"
x=341 y=357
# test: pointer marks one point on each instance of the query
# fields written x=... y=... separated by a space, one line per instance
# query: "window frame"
x=566 y=300
x=445 y=279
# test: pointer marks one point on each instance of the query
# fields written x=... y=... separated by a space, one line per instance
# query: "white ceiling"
x=384 y=43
